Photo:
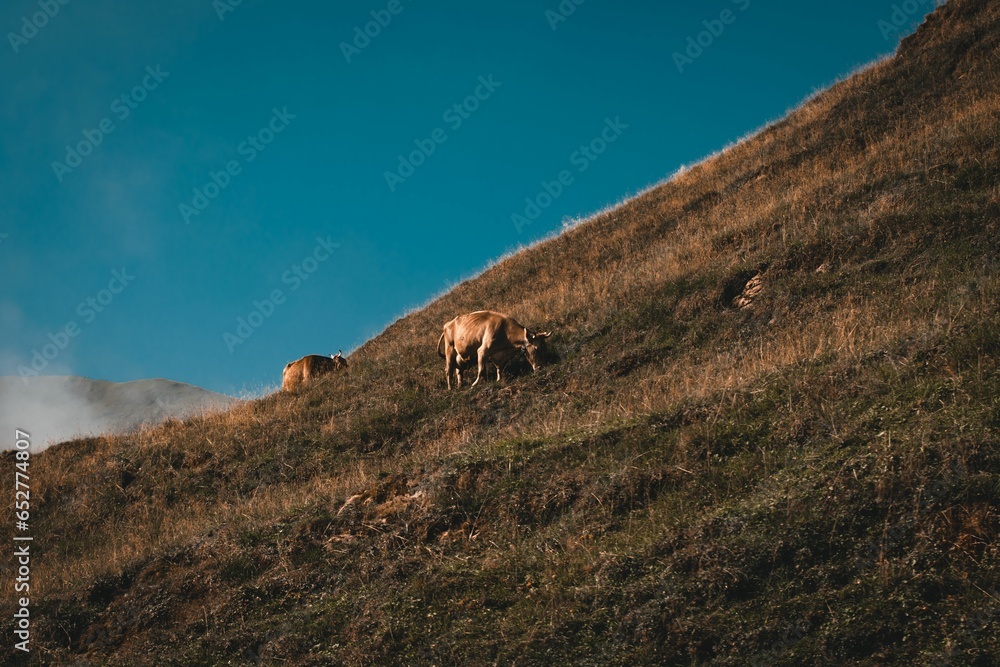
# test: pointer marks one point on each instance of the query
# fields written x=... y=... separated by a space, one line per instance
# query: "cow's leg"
x=498 y=371
x=482 y=364
x=447 y=370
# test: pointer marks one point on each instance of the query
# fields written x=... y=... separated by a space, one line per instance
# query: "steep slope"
x=770 y=438
x=58 y=408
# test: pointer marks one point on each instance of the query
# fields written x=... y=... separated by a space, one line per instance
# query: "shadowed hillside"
x=770 y=438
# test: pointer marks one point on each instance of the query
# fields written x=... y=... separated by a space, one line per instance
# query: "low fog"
x=58 y=408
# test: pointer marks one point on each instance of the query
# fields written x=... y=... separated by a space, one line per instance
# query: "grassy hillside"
x=770 y=438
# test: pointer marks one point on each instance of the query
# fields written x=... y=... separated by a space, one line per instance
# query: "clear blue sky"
x=198 y=87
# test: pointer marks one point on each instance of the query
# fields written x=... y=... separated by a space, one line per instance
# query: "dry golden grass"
x=681 y=447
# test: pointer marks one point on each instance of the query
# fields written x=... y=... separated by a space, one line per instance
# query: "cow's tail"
x=441 y=345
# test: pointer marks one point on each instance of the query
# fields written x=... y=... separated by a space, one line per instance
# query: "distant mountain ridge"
x=54 y=409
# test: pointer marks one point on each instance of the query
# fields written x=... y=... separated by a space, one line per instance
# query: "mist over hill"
x=54 y=409
x=770 y=437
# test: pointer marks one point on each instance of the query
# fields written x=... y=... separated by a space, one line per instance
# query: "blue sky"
x=167 y=169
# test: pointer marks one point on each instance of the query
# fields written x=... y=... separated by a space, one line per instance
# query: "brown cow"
x=296 y=373
x=487 y=337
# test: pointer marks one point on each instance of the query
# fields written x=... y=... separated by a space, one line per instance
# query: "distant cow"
x=311 y=366
x=487 y=337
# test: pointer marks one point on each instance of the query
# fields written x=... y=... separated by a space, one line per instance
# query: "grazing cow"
x=487 y=337
x=310 y=366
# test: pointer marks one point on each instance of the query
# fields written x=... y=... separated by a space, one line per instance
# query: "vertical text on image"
x=22 y=540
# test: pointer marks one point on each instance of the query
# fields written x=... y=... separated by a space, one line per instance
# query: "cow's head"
x=338 y=359
x=534 y=348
